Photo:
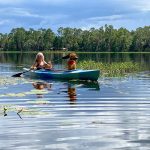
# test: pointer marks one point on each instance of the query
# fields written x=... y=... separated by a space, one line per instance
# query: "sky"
x=83 y=14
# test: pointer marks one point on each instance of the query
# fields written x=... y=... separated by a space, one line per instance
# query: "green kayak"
x=63 y=75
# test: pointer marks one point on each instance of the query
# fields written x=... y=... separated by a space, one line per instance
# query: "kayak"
x=63 y=74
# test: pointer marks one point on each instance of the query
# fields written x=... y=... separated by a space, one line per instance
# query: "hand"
x=33 y=68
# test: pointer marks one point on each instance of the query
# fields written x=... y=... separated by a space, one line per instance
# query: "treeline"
x=104 y=39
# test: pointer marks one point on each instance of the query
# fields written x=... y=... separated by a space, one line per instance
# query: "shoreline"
x=76 y=52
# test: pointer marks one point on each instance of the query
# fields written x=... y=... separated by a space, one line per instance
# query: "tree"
x=141 y=39
x=48 y=39
x=103 y=39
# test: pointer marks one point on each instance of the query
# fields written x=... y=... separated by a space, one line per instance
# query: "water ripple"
x=72 y=116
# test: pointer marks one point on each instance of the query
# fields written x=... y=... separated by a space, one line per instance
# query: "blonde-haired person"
x=40 y=63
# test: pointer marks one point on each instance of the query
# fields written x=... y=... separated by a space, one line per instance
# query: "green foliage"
x=141 y=39
x=104 y=39
x=111 y=69
x=21 y=40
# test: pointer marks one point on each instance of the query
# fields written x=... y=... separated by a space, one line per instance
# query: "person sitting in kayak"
x=40 y=63
x=72 y=61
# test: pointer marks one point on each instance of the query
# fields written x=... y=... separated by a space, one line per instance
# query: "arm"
x=48 y=65
x=34 y=66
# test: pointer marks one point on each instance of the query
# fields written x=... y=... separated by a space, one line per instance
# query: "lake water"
x=113 y=113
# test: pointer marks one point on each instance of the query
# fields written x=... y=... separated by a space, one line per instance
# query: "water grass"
x=114 y=69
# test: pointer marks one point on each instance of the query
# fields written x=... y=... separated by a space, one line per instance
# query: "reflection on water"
x=71 y=91
x=5 y=113
x=72 y=94
x=26 y=59
x=41 y=86
x=112 y=113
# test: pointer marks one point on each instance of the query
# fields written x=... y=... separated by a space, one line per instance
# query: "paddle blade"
x=17 y=75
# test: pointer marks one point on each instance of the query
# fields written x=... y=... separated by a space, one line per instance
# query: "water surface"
x=113 y=113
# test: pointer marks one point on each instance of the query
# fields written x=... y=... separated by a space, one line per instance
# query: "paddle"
x=20 y=73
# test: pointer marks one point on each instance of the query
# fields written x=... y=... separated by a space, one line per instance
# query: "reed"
x=114 y=69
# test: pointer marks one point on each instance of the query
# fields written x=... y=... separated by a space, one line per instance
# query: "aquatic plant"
x=23 y=94
x=6 y=81
x=111 y=69
x=20 y=110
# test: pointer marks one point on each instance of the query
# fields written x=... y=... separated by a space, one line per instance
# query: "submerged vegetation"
x=103 y=39
x=113 y=69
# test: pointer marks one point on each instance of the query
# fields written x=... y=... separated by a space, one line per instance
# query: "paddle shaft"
x=19 y=74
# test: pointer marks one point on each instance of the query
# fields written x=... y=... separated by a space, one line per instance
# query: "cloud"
x=143 y=5
x=17 y=12
x=58 y=2
x=129 y=21
x=10 y=2
x=3 y=22
x=105 y=18
x=138 y=5
x=73 y=13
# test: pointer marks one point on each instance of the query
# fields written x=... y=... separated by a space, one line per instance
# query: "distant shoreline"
x=104 y=39
x=90 y=52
